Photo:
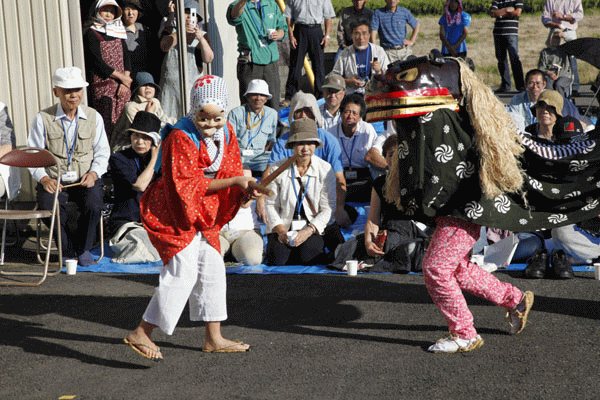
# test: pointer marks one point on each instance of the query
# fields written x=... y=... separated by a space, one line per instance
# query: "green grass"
x=436 y=7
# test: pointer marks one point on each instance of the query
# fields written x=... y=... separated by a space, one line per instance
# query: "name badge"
x=350 y=174
x=69 y=177
x=247 y=152
x=298 y=224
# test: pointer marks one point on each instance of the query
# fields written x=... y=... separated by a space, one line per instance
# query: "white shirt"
x=328 y=119
x=321 y=189
x=355 y=148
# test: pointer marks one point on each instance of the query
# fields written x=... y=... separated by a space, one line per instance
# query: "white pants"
x=196 y=274
x=245 y=246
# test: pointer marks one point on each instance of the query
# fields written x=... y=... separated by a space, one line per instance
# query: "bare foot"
x=141 y=343
x=223 y=345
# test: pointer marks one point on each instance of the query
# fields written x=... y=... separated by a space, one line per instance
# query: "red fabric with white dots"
x=176 y=207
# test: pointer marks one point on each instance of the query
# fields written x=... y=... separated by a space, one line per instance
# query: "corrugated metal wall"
x=36 y=37
x=39 y=36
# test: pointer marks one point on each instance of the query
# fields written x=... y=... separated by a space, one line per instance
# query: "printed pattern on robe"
x=176 y=206
x=439 y=176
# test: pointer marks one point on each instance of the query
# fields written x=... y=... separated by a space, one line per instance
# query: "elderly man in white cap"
x=75 y=134
x=255 y=125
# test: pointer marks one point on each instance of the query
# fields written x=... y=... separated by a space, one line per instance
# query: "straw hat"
x=303 y=130
x=551 y=98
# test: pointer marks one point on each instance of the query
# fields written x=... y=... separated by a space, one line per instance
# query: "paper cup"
x=597 y=271
x=352 y=267
x=71 y=267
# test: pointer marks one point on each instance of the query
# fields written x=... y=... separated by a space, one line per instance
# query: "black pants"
x=308 y=38
x=308 y=253
x=77 y=235
x=268 y=73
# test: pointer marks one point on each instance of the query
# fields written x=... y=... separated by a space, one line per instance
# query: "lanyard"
x=366 y=70
x=299 y=200
x=260 y=30
x=344 y=146
x=70 y=150
x=249 y=128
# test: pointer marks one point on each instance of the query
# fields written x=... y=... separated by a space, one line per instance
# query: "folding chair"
x=31 y=157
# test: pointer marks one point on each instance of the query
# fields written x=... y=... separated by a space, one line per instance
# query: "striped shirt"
x=309 y=12
x=509 y=25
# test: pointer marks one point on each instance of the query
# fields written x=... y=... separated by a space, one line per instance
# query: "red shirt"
x=176 y=207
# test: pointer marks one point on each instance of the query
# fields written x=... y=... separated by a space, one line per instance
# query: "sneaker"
x=502 y=90
x=517 y=317
x=453 y=344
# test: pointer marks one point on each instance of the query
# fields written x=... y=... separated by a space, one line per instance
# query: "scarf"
x=456 y=18
x=113 y=28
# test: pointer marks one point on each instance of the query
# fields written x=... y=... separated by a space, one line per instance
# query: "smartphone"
x=193 y=16
x=374 y=59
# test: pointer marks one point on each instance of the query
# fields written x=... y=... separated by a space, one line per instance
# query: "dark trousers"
x=78 y=235
x=309 y=39
x=308 y=253
x=268 y=73
x=509 y=44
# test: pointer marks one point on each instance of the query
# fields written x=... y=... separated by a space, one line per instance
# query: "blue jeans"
x=510 y=44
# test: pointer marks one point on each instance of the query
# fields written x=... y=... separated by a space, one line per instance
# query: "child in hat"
x=144 y=97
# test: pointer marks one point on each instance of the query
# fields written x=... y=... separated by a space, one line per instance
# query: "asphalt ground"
x=312 y=337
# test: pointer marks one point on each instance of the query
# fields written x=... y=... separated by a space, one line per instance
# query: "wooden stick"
x=262 y=185
x=71 y=185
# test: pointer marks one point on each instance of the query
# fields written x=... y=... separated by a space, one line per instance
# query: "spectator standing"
x=347 y=17
x=506 y=40
x=259 y=25
x=360 y=61
x=75 y=135
x=334 y=90
x=256 y=127
x=304 y=19
x=389 y=23
x=564 y=15
x=454 y=29
x=196 y=38
x=144 y=99
x=107 y=61
x=140 y=41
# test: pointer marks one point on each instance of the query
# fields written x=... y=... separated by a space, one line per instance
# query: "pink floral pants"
x=448 y=271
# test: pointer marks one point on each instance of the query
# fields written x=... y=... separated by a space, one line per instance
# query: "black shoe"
x=537 y=265
x=561 y=267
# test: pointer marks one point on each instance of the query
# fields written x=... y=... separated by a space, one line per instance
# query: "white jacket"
x=321 y=190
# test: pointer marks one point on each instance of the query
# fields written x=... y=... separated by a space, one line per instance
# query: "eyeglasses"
x=533 y=83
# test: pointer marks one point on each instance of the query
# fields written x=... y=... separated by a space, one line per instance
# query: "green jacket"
x=252 y=28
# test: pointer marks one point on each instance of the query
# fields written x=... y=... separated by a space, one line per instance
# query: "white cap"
x=69 y=78
x=258 y=86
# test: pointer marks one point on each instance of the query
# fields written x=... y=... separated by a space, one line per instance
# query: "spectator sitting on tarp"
x=132 y=171
x=390 y=242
